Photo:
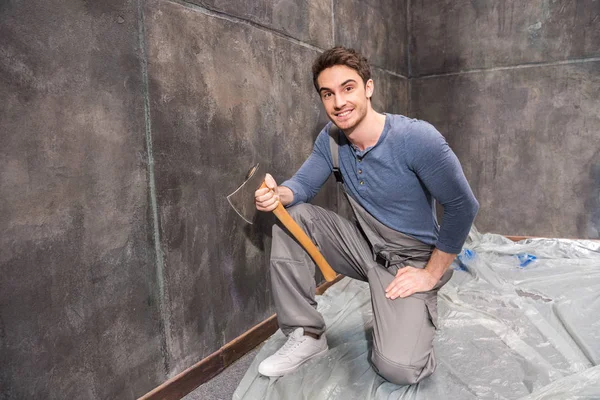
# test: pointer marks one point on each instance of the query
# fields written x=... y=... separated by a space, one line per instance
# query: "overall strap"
x=334 y=137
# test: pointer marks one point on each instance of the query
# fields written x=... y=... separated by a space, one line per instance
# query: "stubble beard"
x=360 y=115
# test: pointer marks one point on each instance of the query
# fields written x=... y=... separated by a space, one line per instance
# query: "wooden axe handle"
x=291 y=225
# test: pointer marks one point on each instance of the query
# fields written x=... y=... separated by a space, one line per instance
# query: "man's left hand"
x=410 y=280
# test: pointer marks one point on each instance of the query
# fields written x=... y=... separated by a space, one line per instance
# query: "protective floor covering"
x=517 y=321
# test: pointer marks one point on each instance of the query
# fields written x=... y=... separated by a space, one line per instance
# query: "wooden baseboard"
x=323 y=287
x=519 y=238
x=209 y=367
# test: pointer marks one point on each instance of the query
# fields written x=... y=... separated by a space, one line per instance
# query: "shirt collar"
x=386 y=127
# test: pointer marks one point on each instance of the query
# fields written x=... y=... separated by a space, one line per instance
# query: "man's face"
x=345 y=96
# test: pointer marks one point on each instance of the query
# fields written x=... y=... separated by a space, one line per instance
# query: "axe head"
x=242 y=199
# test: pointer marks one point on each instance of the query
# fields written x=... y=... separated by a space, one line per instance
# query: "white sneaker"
x=296 y=351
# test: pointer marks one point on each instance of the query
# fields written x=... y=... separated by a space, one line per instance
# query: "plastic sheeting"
x=517 y=321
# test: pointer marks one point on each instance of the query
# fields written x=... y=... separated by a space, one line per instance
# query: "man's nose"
x=340 y=101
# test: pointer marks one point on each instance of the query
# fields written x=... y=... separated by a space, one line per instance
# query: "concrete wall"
x=514 y=87
x=125 y=124
x=78 y=315
x=223 y=92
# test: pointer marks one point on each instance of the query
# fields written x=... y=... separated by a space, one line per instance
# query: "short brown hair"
x=341 y=56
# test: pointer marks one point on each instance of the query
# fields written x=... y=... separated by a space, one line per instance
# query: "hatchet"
x=242 y=201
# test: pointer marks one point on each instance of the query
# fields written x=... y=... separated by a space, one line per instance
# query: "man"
x=392 y=168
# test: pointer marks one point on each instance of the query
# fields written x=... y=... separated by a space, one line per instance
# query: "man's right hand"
x=267 y=199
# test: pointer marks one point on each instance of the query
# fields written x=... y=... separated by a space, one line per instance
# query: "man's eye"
x=349 y=88
x=326 y=95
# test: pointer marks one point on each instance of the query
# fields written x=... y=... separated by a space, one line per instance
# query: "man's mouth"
x=343 y=114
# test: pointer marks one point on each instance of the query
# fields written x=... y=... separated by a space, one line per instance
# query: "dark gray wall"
x=223 y=92
x=124 y=126
x=78 y=316
x=514 y=87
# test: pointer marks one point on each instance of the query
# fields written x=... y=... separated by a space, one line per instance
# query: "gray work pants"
x=403 y=328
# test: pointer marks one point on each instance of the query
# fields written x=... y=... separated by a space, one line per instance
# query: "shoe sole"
x=292 y=369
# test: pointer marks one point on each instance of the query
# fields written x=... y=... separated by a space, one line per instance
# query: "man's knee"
x=304 y=214
x=399 y=373
x=300 y=211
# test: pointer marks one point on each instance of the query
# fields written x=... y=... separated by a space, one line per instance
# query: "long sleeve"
x=437 y=166
x=311 y=176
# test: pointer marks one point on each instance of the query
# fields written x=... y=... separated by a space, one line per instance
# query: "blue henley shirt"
x=397 y=180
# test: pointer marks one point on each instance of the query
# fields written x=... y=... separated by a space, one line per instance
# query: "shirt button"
x=360 y=171
x=360 y=160
x=362 y=182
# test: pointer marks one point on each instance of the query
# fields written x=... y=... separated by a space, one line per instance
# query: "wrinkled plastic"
x=517 y=321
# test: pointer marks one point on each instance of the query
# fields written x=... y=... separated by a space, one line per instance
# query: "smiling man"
x=392 y=169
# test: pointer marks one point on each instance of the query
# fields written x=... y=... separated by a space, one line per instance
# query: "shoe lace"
x=290 y=345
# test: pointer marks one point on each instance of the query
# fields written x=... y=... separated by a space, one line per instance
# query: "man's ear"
x=369 y=88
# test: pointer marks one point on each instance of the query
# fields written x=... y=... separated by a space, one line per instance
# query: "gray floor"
x=222 y=386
